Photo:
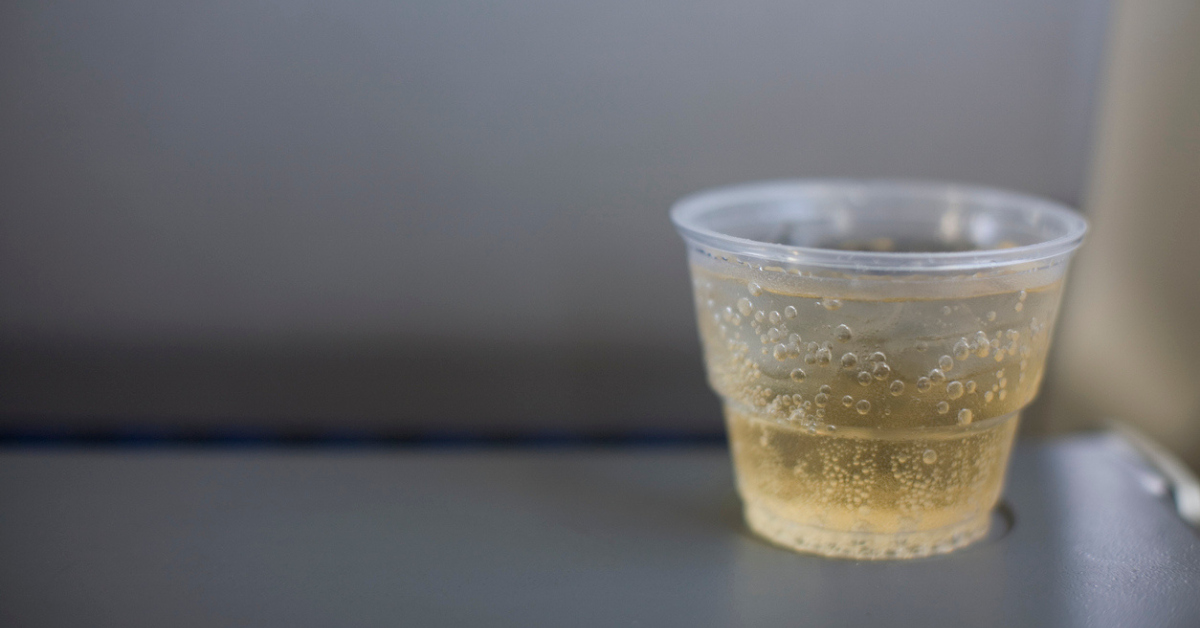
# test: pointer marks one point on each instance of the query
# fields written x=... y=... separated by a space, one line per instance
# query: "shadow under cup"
x=873 y=344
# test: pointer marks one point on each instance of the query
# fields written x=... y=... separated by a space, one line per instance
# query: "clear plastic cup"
x=873 y=344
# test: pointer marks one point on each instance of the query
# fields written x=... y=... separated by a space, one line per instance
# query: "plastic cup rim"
x=686 y=212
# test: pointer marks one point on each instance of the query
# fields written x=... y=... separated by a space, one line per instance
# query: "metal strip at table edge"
x=1184 y=485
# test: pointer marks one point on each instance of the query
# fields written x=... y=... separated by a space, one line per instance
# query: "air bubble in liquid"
x=902 y=458
x=943 y=407
x=760 y=316
x=824 y=356
x=988 y=396
x=962 y=349
x=945 y=363
x=881 y=371
x=946 y=310
x=843 y=333
x=864 y=378
x=985 y=345
x=991 y=316
x=1021 y=295
x=849 y=361
x=798 y=375
x=755 y=289
x=954 y=389
x=970 y=387
x=937 y=376
x=825 y=389
x=789 y=311
x=821 y=399
x=897 y=388
x=923 y=384
x=1019 y=306
x=810 y=358
x=922 y=345
x=774 y=317
x=929 y=457
x=964 y=416
x=847 y=401
x=1003 y=394
x=863 y=406
x=831 y=304
x=745 y=306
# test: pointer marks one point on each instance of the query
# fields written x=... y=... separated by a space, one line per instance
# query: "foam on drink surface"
x=871 y=420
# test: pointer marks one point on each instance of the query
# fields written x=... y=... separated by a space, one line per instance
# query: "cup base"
x=864 y=545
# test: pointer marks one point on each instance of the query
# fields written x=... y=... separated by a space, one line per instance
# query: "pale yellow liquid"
x=846 y=441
